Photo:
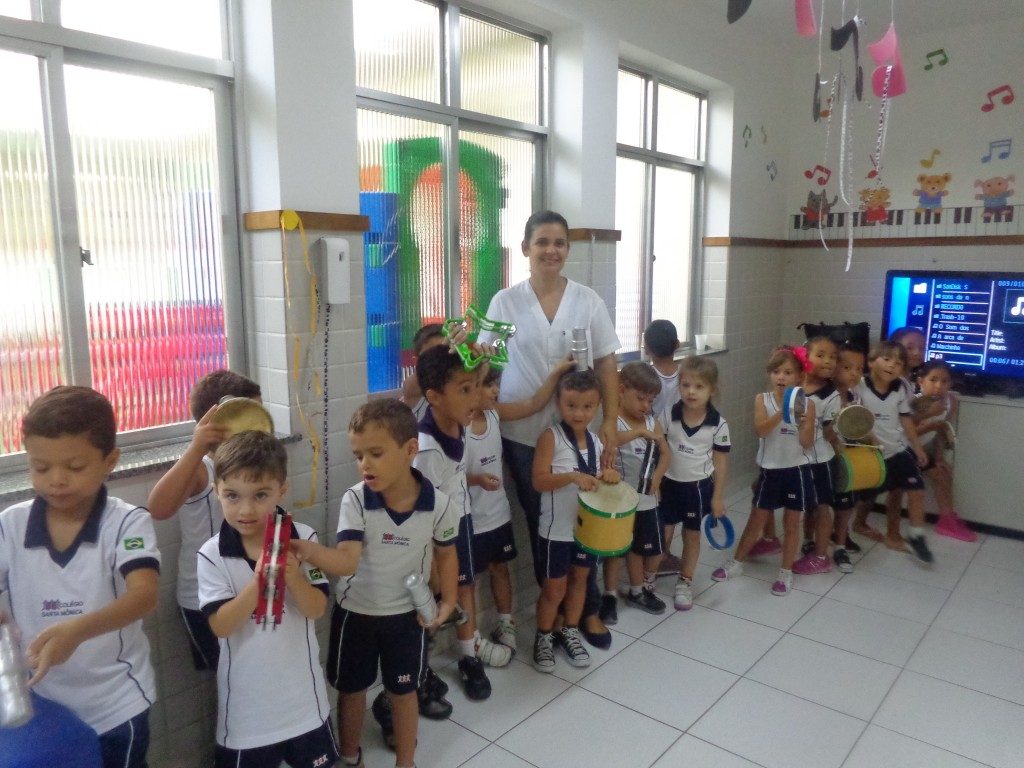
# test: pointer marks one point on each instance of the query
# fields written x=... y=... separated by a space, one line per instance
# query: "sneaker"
x=952 y=526
x=646 y=601
x=609 y=610
x=784 y=583
x=431 y=697
x=731 y=568
x=598 y=636
x=493 y=654
x=765 y=547
x=683 y=599
x=842 y=560
x=850 y=546
x=382 y=713
x=807 y=547
x=810 y=564
x=544 y=652
x=920 y=548
x=505 y=633
x=474 y=679
x=572 y=643
x=670 y=565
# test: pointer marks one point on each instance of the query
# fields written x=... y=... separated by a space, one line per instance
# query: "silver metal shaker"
x=421 y=596
x=580 y=349
x=15 y=701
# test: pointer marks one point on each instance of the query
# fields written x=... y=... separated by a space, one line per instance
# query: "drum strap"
x=589 y=466
x=650 y=461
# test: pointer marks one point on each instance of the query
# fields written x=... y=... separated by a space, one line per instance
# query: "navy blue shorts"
x=789 y=488
x=824 y=482
x=493 y=547
x=647 y=533
x=902 y=472
x=126 y=744
x=314 y=749
x=556 y=557
x=464 y=549
x=359 y=642
x=204 y=644
x=686 y=502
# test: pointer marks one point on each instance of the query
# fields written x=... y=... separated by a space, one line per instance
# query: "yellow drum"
x=604 y=524
x=859 y=467
x=239 y=414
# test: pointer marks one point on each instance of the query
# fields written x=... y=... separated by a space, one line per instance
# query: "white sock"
x=685 y=580
x=610 y=593
x=350 y=760
x=505 y=618
x=649 y=577
x=916 y=532
x=468 y=647
x=635 y=591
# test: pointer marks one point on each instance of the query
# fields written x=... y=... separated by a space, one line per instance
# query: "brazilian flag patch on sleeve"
x=315 y=574
x=134 y=542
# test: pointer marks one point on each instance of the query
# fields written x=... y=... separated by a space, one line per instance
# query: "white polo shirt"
x=558 y=509
x=270 y=685
x=781 y=449
x=693 y=449
x=395 y=544
x=667 y=397
x=827 y=405
x=442 y=460
x=539 y=346
x=109 y=679
x=887 y=408
x=490 y=509
x=637 y=460
x=199 y=518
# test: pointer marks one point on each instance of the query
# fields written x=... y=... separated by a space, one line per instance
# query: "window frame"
x=448 y=111
x=57 y=47
x=652 y=159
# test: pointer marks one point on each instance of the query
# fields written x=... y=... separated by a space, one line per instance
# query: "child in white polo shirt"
x=81 y=570
x=392 y=525
x=186 y=490
x=272 y=702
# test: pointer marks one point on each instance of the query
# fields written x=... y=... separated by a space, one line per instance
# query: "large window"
x=661 y=134
x=451 y=138
x=116 y=193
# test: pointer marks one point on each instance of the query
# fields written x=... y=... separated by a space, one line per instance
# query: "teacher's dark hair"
x=543 y=217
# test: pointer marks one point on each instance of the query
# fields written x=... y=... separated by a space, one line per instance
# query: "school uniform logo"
x=488 y=460
x=134 y=542
x=55 y=608
x=390 y=538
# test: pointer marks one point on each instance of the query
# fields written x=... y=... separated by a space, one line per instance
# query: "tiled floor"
x=894 y=664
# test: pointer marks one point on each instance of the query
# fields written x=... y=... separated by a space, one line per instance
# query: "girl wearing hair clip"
x=785 y=456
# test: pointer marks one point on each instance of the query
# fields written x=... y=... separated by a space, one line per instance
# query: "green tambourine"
x=496 y=353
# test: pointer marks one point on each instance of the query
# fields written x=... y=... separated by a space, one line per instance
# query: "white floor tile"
x=517 y=691
x=995 y=584
x=439 y=743
x=897 y=597
x=997 y=552
x=868 y=633
x=984 y=619
x=965 y=722
x=495 y=757
x=834 y=678
x=945 y=572
x=758 y=723
x=715 y=638
x=691 y=751
x=972 y=663
x=660 y=684
x=580 y=728
x=880 y=747
x=752 y=599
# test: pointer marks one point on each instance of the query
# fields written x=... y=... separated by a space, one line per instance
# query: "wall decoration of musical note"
x=1007 y=97
x=929 y=162
x=939 y=56
x=747 y=133
x=823 y=174
x=773 y=170
x=764 y=135
x=1004 y=145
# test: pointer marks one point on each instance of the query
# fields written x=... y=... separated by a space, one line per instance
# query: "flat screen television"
x=974 y=321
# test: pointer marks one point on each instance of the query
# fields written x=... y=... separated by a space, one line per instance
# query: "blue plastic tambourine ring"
x=794 y=403
x=710 y=523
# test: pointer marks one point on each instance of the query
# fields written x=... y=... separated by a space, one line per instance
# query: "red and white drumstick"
x=276 y=539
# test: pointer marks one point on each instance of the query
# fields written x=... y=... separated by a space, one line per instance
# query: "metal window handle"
x=85 y=255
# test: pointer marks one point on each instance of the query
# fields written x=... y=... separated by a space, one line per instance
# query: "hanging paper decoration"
x=805 y=25
x=736 y=10
x=886 y=53
x=841 y=36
